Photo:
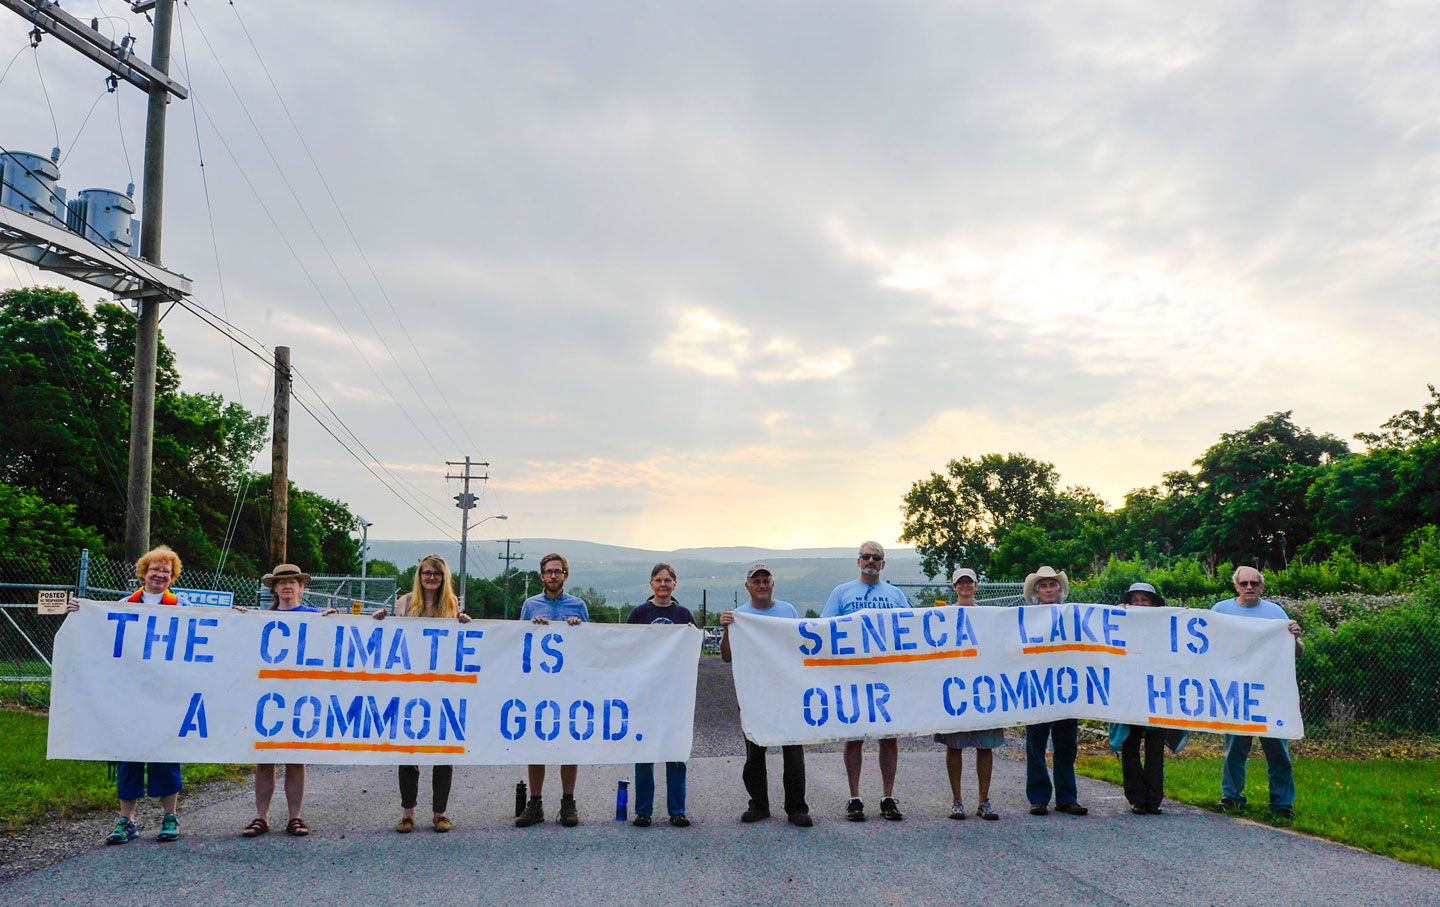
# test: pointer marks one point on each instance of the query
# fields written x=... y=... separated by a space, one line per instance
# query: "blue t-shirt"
x=651 y=613
x=856 y=595
x=1266 y=609
x=305 y=608
x=565 y=606
x=777 y=609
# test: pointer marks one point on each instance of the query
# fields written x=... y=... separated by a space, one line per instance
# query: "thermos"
x=520 y=797
x=622 y=801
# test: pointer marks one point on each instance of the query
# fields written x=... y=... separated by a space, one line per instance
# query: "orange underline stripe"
x=356 y=747
x=293 y=674
x=1211 y=725
x=1073 y=647
x=886 y=659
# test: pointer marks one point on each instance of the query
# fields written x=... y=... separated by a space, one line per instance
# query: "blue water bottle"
x=622 y=801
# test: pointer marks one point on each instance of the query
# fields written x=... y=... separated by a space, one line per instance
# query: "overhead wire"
x=46 y=91
x=83 y=123
x=424 y=362
x=325 y=247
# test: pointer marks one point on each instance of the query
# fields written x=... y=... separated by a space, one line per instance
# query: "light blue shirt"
x=565 y=606
x=857 y=595
x=776 y=609
x=1265 y=609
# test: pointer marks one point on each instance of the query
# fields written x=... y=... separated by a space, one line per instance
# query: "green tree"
x=1407 y=428
x=44 y=535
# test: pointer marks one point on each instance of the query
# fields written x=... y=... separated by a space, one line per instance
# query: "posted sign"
x=154 y=683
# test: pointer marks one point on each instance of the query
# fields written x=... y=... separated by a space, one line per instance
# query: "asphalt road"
x=1187 y=856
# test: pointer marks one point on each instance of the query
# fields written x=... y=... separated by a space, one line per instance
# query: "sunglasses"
x=872 y=557
x=1250 y=582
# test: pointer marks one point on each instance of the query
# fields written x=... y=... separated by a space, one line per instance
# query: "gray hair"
x=874 y=546
x=1235 y=577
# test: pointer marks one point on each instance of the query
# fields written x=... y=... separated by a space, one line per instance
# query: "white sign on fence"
x=149 y=682
x=214 y=597
x=907 y=672
x=52 y=601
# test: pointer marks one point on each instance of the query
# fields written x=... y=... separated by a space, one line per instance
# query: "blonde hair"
x=448 y=606
x=159 y=553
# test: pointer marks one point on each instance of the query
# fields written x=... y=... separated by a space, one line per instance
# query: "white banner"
x=909 y=672
x=163 y=684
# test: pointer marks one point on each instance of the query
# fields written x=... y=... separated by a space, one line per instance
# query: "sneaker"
x=754 y=815
x=124 y=832
x=889 y=809
x=641 y=821
x=534 y=813
x=800 y=820
x=1071 y=809
x=569 y=815
x=169 y=828
x=855 y=810
x=1226 y=804
x=985 y=811
x=957 y=810
x=1284 y=812
x=679 y=821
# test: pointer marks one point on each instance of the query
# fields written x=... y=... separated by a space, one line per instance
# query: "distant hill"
x=803 y=576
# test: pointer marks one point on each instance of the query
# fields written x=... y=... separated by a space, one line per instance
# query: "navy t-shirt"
x=650 y=613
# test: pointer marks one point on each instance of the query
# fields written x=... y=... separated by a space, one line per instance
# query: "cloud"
x=707 y=343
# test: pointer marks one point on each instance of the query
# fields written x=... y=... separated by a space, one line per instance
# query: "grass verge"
x=33 y=786
x=1388 y=807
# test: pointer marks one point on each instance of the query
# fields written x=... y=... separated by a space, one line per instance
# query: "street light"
x=464 y=535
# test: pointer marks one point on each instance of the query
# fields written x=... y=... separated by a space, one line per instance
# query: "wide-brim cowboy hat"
x=285 y=571
x=1142 y=587
x=1046 y=573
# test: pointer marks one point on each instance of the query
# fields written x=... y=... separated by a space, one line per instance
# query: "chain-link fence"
x=27 y=637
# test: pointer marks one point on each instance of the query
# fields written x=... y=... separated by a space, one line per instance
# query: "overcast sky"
x=738 y=273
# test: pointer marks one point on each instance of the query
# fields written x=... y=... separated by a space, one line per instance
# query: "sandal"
x=255 y=829
x=297 y=827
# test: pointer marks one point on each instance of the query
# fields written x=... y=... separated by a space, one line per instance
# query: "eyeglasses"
x=554 y=573
x=872 y=557
x=1250 y=582
x=432 y=574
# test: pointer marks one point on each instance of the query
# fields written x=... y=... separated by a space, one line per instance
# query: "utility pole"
x=465 y=501
x=280 y=458
x=507 y=557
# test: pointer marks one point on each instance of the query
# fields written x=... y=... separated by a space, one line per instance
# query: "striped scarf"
x=166 y=598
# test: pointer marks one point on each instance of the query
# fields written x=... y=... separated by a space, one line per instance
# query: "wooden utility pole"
x=147 y=327
x=465 y=501
x=280 y=458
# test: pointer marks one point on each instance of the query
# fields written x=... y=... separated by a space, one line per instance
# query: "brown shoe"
x=534 y=813
x=256 y=828
x=297 y=827
x=405 y=825
x=443 y=824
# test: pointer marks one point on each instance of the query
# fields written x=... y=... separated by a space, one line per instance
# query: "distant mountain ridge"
x=803 y=576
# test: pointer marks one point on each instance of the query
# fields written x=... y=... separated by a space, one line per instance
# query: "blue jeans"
x=645 y=788
x=130 y=779
x=1279 y=770
x=1066 y=735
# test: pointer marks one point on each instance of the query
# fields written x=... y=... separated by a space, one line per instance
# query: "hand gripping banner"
x=909 y=672
x=165 y=684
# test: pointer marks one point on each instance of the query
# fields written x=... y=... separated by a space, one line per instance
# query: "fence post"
x=80 y=587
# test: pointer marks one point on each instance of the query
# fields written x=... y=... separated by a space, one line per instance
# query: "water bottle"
x=520 y=797
x=622 y=801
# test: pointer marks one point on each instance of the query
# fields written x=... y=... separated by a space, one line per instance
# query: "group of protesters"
x=1141 y=748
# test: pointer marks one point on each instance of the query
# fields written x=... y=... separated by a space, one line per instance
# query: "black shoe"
x=641 y=821
x=679 y=821
x=1039 y=809
x=855 y=810
x=1284 y=812
x=889 y=809
x=1137 y=810
x=1226 y=804
x=1154 y=811
x=534 y=813
x=569 y=816
x=801 y=820
x=1071 y=809
x=754 y=815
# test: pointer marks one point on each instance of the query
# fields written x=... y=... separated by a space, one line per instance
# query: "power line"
x=424 y=363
